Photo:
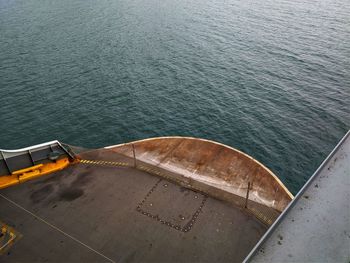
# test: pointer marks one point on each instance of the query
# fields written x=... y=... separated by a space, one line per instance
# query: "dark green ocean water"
x=271 y=78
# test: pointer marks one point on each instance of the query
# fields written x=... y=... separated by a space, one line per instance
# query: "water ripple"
x=271 y=78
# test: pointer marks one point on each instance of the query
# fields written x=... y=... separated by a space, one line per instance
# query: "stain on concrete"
x=41 y=194
x=70 y=194
x=82 y=179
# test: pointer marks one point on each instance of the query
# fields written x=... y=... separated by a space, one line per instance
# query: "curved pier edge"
x=267 y=190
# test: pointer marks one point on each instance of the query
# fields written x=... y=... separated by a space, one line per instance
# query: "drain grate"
x=172 y=205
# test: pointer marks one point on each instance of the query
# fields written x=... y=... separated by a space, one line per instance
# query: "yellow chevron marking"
x=98 y=162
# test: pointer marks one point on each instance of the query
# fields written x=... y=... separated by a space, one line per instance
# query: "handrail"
x=13 y=160
x=31 y=147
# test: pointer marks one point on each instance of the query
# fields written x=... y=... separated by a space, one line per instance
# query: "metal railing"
x=128 y=157
x=13 y=160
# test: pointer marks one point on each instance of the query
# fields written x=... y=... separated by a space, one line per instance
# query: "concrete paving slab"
x=97 y=206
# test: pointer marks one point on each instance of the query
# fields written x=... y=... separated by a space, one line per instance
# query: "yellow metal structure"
x=29 y=173
x=7 y=237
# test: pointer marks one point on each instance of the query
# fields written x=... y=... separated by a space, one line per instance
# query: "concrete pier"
x=316 y=225
x=213 y=164
x=103 y=212
x=168 y=199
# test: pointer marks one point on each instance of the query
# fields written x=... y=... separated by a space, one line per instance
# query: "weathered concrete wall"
x=214 y=164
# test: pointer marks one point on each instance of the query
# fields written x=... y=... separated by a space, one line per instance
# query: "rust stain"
x=218 y=163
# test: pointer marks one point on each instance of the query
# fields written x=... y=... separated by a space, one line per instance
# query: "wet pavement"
x=92 y=213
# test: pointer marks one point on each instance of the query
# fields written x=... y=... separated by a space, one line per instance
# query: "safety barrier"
x=265 y=214
x=20 y=165
x=14 y=160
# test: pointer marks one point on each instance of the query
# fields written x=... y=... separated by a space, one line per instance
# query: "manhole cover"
x=172 y=205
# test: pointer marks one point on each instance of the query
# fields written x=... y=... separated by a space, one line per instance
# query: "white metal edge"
x=31 y=147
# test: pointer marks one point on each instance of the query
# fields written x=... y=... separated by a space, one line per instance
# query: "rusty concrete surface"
x=121 y=214
x=213 y=164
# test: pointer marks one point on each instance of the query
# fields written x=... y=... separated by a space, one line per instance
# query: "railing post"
x=6 y=164
x=247 y=196
x=31 y=157
x=133 y=151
